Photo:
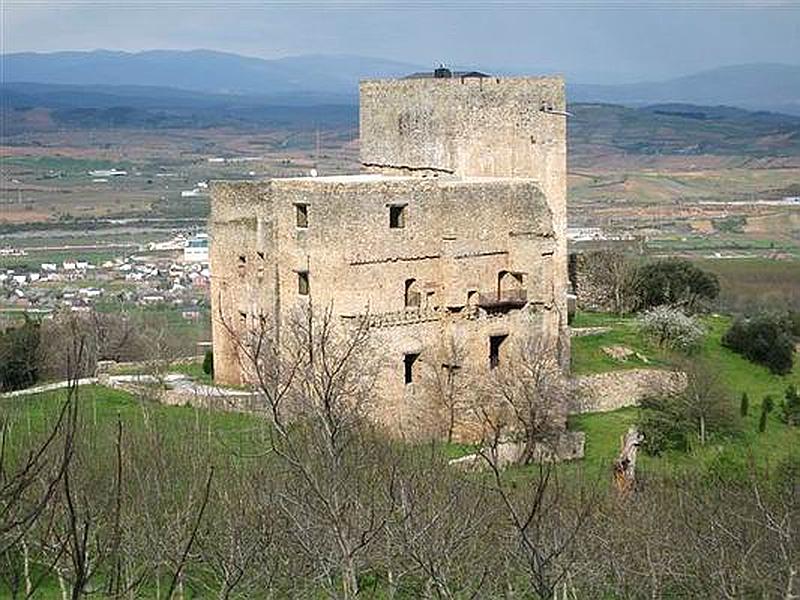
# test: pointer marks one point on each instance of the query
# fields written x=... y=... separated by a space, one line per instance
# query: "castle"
x=455 y=229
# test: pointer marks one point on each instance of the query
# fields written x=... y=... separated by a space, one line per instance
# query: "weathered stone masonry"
x=457 y=229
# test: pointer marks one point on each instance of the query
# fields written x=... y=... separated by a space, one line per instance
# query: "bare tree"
x=544 y=521
x=316 y=378
x=442 y=532
x=609 y=278
x=526 y=400
x=707 y=399
x=447 y=385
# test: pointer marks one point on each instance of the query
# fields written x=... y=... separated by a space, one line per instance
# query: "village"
x=173 y=272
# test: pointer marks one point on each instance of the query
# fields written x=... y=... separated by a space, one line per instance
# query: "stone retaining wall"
x=604 y=392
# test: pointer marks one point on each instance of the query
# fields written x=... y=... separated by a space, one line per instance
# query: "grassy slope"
x=587 y=351
x=755 y=282
x=603 y=430
x=101 y=407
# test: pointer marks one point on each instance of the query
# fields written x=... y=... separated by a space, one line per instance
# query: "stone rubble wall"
x=603 y=392
x=592 y=291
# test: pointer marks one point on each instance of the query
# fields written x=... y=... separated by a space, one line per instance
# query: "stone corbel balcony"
x=399 y=317
x=503 y=299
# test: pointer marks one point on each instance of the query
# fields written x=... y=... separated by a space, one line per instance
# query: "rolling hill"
x=774 y=87
x=316 y=79
x=284 y=79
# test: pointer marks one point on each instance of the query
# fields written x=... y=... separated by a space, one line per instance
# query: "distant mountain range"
x=333 y=79
x=290 y=80
x=774 y=87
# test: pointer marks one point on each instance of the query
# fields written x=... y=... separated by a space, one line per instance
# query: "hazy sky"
x=588 y=40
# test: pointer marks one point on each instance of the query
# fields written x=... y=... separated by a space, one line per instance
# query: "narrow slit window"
x=302 y=283
x=301 y=215
x=241 y=265
x=408 y=367
x=397 y=217
x=495 y=342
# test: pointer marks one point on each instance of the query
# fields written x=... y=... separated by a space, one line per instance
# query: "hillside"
x=668 y=129
x=681 y=129
x=334 y=78
x=773 y=87
x=204 y=71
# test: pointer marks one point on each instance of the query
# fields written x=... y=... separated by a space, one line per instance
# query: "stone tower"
x=456 y=230
x=473 y=125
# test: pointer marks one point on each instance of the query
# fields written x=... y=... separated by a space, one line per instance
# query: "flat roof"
x=457 y=78
x=355 y=178
x=380 y=177
x=444 y=179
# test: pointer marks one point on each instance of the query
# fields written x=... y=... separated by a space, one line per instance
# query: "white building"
x=102 y=173
x=196 y=249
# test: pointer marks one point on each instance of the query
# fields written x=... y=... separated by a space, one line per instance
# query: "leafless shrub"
x=447 y=386
x=525 y=399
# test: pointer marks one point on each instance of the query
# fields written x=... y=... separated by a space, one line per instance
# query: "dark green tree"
x=791 y=406
x=744 y=405
x=19 y=355
x=764 y=338
x=208 y=363
x=675 y=282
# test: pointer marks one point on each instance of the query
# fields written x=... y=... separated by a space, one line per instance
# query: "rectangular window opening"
x=408 y=363
x=495 y=342
x=302 y=283
x=301 y=215
x=397 y=217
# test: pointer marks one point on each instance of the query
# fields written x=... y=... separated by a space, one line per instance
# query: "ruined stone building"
x=455 y=229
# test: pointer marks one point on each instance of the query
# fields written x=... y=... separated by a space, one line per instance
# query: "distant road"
x=80 y=247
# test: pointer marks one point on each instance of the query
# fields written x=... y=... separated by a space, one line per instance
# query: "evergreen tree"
x=208 y=363
x=744 y=405
x=791 y=406
x=762 y=422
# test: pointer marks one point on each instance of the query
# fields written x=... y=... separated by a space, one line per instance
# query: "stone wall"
x=478 y=167
x=460 y=235
x=475 y=126
x=604 y=392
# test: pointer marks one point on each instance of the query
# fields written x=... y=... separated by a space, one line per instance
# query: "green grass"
x=587 y=351
x=100 y=408
x=34 y=259
x=195 y=371
x=718 y=242
x=242 y=433
x=604 y=430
